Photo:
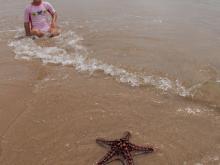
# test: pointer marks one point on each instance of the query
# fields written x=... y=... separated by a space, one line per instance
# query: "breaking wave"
x=67 y=49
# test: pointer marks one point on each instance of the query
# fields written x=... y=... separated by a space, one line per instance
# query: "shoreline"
x=55 y=114
x=118 y=66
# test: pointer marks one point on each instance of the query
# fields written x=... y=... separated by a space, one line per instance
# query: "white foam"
x=210 y=159
x=68 y=50
x=158 y=21
x=190 y=110
x=5 y=31
x=181 y=90
x=194 y=110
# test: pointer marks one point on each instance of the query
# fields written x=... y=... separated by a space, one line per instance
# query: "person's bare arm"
x=27 y=28
x=54 y=20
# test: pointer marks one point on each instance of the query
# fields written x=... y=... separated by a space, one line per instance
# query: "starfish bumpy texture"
x=121 y=149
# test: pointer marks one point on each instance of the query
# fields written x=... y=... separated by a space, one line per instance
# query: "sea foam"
x=68 y=50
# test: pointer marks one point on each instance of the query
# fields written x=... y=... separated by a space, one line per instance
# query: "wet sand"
x=51 y=114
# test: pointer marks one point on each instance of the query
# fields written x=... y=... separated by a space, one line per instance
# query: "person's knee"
x=54 y=32
x=37 y=32
x=34 y=31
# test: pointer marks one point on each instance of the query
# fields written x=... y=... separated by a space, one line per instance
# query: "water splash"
x=68 y=50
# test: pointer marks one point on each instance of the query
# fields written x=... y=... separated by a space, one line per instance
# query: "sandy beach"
x=106 y=75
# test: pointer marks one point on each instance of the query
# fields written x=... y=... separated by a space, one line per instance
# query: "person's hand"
x=53 y=25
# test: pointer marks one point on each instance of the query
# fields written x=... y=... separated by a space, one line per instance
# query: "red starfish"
x=121 y=149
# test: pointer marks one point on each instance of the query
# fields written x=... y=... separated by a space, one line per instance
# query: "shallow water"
x=150 y=67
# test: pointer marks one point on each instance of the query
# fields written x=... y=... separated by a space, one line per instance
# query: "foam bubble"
x=10 y=30
x=190 y=110
x=68 y=50
x=193 y=110
x=158 y=20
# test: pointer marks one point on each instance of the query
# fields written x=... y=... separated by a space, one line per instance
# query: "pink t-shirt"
x=38 y=15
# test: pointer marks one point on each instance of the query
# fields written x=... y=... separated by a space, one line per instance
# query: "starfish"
x=122 y=150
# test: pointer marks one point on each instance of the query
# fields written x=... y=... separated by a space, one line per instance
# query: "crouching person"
x=36 y=19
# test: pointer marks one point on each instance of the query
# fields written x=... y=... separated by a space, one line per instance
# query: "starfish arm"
x=104 y=143
x=117 y=158
x=107 y=158
x=128 y=160
x=126 y=135
x=141 y=150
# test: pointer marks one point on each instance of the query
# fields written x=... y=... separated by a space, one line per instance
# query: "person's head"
x=37 y=1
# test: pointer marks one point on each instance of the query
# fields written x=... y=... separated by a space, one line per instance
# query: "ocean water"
x=140 y=43
x=170 y=47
